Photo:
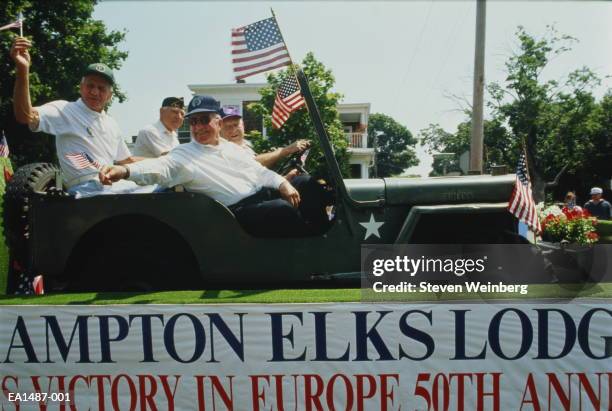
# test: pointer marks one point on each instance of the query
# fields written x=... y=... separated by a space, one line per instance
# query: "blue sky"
x=403 y=57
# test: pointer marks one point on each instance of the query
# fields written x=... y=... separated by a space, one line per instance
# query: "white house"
x=354 y=118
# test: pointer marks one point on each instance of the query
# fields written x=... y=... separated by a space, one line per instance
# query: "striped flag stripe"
x=245 y=75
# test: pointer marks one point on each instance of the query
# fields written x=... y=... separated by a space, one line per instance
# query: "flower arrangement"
x=568 y=226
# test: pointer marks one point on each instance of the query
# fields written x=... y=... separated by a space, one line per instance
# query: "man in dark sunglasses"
x=264 y=203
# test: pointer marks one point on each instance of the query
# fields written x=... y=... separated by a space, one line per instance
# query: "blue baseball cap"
x=202 y=104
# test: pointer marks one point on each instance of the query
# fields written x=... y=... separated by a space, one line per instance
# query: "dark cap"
x=101 y=70
x=230 y=111
x=202 y=104
x=177 y=102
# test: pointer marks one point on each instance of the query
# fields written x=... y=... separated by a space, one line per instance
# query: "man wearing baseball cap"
x=597 y=206
x=264 y=203
x=87 y=139
x=232 y=129
x=160 y=137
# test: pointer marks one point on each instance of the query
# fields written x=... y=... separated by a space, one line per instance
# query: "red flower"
x=592 y=235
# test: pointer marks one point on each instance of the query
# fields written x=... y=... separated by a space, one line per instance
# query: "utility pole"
x=476 y=146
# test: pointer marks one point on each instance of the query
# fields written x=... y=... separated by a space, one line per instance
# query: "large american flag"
x=82 y=160
x=521 y=202
x=258 y=47
x=288 y=99
x=4 y=148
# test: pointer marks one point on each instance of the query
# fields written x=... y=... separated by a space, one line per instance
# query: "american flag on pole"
x=82 y=160
x=258 y=47
x=288 y=99
x=4 y=148
x=14 y=25
x=521 y=203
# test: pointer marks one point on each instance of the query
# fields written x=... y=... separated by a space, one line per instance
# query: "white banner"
x=307 y=357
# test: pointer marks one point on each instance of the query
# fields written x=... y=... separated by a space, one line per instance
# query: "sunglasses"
x=204 y=120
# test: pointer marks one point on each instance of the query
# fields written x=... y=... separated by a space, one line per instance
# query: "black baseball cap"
x=202 y=104
x=102 y=70
x=177 y=102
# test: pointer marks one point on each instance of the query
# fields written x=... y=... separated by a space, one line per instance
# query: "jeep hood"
x=433 y=190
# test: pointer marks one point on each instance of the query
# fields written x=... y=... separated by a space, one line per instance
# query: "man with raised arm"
x=87 y=139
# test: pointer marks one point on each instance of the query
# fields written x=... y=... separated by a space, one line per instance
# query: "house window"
x=355 y=170
x=184 y=135
x=251 y=120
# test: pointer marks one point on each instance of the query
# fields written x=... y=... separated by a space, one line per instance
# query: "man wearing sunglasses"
x=264 y=203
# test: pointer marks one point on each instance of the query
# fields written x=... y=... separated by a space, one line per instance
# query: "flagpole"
x=292 y=68
x=20 y=24
x=281 y=34
x=524 y=146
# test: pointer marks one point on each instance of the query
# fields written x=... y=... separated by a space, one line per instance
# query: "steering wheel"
x=293 y=161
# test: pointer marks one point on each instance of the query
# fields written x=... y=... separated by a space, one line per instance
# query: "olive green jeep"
x=183 y=240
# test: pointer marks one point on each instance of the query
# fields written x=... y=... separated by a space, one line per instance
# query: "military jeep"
x=182 y=240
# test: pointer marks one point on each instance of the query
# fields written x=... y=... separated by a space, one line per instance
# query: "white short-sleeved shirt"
x=248 y=147
x=78 y=129
x=154 y=140
x=225 y=172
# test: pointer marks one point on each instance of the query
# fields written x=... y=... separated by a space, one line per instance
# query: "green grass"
x=298 y=296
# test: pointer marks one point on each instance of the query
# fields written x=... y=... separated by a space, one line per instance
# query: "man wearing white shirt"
x=232 y=129
x=87 y=138
x=264 y=203
x=159 y=138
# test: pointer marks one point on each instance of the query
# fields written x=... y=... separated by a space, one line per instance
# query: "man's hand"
x=293 y=173
x=289 y=193
x=20 y=54
x=296 y=147
x=110 y=174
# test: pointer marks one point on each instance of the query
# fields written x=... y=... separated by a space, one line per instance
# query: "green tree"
x=65 y=40
x=557 y=119
x=393 y=141
x=499 y=146
x=299 y=125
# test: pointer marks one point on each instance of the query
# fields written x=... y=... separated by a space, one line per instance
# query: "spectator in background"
x=569 y=204
x=160 y=137
x=597 y=206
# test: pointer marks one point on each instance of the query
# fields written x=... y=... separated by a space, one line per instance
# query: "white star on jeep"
x=372 y=227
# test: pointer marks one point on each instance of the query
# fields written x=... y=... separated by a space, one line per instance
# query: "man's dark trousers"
x=266 y=214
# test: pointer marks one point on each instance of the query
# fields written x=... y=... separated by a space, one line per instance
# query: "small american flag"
x=14 y=25
x=82 y=160
x=4 y=148
x=304 y=156
x=288 y=99
x=258 y=47
x=521 y=202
